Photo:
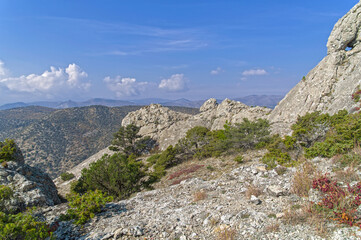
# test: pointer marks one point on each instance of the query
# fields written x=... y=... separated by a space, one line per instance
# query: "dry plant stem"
x=253 y=190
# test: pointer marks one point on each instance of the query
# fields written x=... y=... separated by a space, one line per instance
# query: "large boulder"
x=167 y=126
x=31 y=187
x=330 y=85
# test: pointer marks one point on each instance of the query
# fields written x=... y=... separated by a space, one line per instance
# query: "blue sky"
x=196 y=49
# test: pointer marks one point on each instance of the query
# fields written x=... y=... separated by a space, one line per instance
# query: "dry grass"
x=281 y=170
x=295 y=217
x=213 y=221
x=274 y=227
x=306 y=215
x=302 y=180
x=4 y=164
x=224 y=232
x=199 y=195
x=357 y=150
x=348 y=175
x=253 y=190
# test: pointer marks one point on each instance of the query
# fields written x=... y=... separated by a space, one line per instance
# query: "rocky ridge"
x=329 y=86
x=167 y=126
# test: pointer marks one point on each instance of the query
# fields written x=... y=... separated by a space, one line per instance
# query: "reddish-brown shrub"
x=190 y=169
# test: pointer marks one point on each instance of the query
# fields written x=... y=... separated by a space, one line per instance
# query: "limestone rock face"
x=154 y=119
x=329 y=86
x=346 y=32
x=167 y=126
x=30 y=185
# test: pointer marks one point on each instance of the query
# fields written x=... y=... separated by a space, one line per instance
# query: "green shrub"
x=84 y=207
x=274 y=156
x=311 y=127
x=247 y=135
x=130 y=142
x=202 y=143
x=289 y=142
x=67 y=176
x=22 y=226
x=343 y=135
x=117 y=175
x=195 y=139
x=153 y=159
x=210 y=168
x=239 y=159
x=5 y=192
x=7 y=150
x=165 y=160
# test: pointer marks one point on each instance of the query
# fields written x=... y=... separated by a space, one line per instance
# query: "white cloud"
x=125 y=86
x=3 y=70
x=175 y=83
x=216 y=71
x=254 y=72
x=49 y=82
x=75 y=76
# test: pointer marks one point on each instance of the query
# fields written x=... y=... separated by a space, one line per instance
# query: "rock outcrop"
x=329 y=86
x=167 y=126
x=31 y=186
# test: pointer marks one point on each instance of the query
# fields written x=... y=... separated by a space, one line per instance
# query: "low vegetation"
x=67 y=176
x=84 y=206
x=7 y=151
x=19 y=225
x=117 y=175
x=23 y=226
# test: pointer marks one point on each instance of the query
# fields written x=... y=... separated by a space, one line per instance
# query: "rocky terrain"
x=330 y=85
x=32 y=187
x=244 y=200
x=167 y=126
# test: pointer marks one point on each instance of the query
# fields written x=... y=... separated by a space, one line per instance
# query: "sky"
x=56 y=50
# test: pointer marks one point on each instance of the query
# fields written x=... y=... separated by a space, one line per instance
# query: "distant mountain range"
x=252 y=100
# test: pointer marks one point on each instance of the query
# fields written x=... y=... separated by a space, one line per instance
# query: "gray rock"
x=329 y=86
x=255 y=200
x=30 y=185
x=276 y=191
x=167 y=126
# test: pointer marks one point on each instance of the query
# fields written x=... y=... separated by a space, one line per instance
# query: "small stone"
x=280 y=215
x=275 y=191
x=183 y=237
x=255 y=200
x=261 y=168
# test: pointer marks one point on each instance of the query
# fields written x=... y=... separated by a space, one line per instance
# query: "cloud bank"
x=125 y=87
x=176 y=83
x=48 y=83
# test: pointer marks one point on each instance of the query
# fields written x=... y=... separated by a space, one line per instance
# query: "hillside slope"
x=57 y=140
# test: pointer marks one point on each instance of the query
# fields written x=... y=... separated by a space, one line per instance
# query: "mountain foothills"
x=56 y=140
x=228 y=171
